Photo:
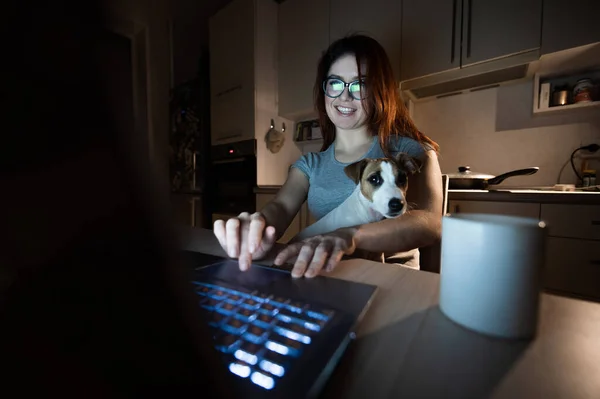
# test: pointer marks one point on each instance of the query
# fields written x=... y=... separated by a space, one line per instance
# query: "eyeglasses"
x=334 y=87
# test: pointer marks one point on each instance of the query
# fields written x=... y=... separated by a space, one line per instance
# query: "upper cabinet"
x=307 y=27
x=430 y=37
x=379 y=19
x=232 y=73
x=303 y=36
x=569 y=24
x=439 y=35
x=493 y=29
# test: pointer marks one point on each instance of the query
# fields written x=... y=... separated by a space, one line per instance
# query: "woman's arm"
x=417 y=228
x=280 y=212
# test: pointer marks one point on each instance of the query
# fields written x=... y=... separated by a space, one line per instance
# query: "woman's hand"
x=316 y=253
x=245 y=237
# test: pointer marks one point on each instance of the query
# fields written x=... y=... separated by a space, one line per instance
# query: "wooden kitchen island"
x=406 y=348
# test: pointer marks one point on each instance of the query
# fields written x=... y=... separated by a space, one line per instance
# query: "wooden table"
x=406 y=348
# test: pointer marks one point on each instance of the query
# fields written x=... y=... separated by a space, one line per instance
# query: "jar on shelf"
x=589 y=178
x=582 y=92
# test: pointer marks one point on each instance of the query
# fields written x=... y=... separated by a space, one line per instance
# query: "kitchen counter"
x=525 y=195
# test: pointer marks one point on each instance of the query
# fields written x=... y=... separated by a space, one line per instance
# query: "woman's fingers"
x=219 y=231
x=334 y=258
x=318 y=259
x=304 y=257
x=232 y=235
x=255 y=235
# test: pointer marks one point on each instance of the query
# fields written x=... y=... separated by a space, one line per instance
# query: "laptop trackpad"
x=344 y=295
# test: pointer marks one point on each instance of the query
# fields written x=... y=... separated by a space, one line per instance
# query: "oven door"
x=233 y=185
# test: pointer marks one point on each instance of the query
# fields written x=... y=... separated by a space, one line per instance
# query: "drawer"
x=497 y=208
x=574 y=221
x=573 y=266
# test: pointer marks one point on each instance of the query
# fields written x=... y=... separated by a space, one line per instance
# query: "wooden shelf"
x=568 y=107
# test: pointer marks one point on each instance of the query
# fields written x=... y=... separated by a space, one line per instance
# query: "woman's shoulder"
x=408 y=145
x=311 y=161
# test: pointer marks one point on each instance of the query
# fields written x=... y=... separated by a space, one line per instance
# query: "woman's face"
x=345 y=111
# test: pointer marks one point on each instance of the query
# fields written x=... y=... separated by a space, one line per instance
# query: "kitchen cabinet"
x=531 y=210
x=439 y=35
x=430 y=37
x=187 y=210
x=493 y=29
x=568 y=24
x=379 y=19
x=573 y=249
x=303 y=29
x=243 y=70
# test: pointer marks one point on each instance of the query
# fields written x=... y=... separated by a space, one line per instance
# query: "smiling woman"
x=362 y=118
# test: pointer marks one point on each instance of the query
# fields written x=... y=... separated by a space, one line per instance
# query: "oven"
x=232 y=179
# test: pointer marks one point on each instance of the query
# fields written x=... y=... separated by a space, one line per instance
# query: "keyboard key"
x=269 y=309
x=209 y=303
x=235 y=297
x=245 y=356
x=218 y=294
x=226 y=342
x=287 y=315
x=296 y=328
x=215 y=319
x=261 y=297
x=264 y=320
x=246 y=315
x=262 y=380
x=279 y=301
x=285 y=341
x=227 y=308
x=323 y=315
x=288 y=333
x=255 y=334
x=296 y=306
x=234 y=326
x=251 y=304
x=271 y=367
x=240 y=369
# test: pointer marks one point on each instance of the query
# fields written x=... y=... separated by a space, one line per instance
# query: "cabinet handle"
x=456 y=208
x=234 y=88
x=595 y=262
x=595 y=222
x=192 y=212
x=452 y=48
x=469 y=14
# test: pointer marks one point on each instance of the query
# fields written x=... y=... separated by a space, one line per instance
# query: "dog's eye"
x=375 y=179
x=401 y=179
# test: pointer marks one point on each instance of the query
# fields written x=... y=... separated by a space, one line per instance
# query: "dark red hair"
x=387 y=117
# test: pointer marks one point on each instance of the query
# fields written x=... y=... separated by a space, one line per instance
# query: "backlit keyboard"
x=260 y=335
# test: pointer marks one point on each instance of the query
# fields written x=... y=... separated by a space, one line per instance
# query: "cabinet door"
x=292 y=230
x=231 y=41
x=379 y=19
x=497 y=208
x=232 y=116
x=493 y=29
x=187 y=210
x=568 y=24
x=430 y=37
x=303 y=36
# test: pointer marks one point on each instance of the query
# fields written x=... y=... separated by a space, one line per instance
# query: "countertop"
x=406 y=347
x=503 y=195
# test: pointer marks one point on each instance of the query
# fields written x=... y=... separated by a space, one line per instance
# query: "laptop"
x=279 y=336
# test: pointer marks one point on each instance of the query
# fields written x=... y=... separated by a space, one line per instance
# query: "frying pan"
x=465 y=179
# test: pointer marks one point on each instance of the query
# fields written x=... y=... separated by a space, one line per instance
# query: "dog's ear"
x=407 y=163
x=355 y=170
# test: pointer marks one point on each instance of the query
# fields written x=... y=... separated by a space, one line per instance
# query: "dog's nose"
x=396 y=205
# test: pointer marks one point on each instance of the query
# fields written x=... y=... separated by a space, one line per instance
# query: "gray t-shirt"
x=329 y=185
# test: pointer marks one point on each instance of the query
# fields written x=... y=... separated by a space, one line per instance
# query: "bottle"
x=592 y=178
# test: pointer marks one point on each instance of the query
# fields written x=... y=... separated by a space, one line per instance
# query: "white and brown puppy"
x=380 y=193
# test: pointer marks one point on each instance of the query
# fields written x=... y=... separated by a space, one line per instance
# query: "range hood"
x=472 y=77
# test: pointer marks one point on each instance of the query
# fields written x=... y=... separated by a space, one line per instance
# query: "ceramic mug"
x=490 y=273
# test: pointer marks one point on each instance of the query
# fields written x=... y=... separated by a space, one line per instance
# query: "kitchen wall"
x=494 y=131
